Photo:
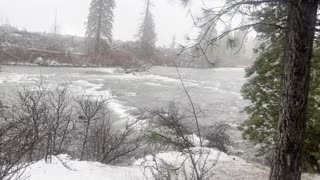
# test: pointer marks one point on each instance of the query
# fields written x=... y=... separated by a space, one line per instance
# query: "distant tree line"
x=100 y=24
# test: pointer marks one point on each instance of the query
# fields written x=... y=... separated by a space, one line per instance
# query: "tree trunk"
x=98 y=34
x=286 y=164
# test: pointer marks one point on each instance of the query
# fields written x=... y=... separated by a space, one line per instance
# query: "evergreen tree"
x=146 y=34
x=298 y=24
x=99 y=25
x=263 y=89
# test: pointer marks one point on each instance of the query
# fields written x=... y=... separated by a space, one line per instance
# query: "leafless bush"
x=165 y=171
x=108 y=144
x=60 y=124
x=167 y=127
x=90 y=110
x=101 y=141
x=181 y=166
x=17 y=142
x=49 y=115
x=24 y=132
x=32 y=107
x=217 y=137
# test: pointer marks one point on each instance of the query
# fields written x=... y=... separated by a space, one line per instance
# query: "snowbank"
x=66 y=169
x=226 y=168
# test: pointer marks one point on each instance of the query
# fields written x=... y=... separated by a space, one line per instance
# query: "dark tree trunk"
x=98 y=34
x=302 y=15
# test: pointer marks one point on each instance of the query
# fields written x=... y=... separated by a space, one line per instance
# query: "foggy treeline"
x=98 y=47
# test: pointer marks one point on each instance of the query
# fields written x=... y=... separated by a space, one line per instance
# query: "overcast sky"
x=38 y=15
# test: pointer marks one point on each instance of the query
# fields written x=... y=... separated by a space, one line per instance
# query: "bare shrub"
x=167 y=128
x=181 y=166
x=41 y=124
x=32 y=107
x=17 y=142
x=217 y=137
x=110 y=145
x=101 y=140
x=60 y=124
x=90 y=110
x=49 y=115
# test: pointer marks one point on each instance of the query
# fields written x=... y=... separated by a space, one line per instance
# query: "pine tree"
x=146 y=34
x=298 y=25
x=100 y=24
x=263 y=89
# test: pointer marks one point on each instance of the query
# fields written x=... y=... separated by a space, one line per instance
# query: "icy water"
x=215 y=91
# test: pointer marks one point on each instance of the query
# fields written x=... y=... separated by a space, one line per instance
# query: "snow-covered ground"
x=225 y=167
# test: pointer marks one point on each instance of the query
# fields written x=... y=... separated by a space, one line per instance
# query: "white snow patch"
x=79 y=170
x=224 y=167
x=233 y=125
x=195 y=140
